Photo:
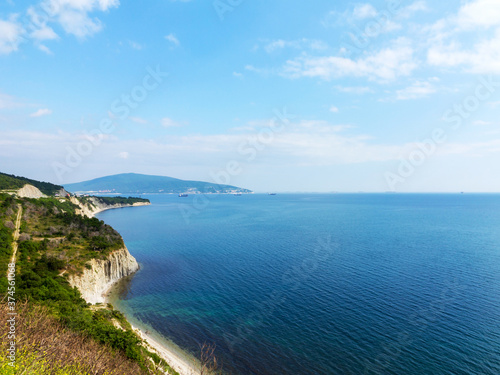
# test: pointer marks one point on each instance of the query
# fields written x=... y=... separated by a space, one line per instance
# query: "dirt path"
x=16 y=233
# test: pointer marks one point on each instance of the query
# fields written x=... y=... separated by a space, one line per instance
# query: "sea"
x=312 y=284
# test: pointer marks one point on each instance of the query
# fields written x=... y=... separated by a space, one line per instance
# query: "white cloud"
x=331 y=19
x=469 y=38
x=354 y=90
x=410 y=10
x=419 y=89
x=38 y=28
x=385 y=65
x=79 y=23
x=172 y=39
x=8 y=102
x=262 y=71
x=363 y=11
x=41 y=112
x=45 y=49
x=494 y=104
x=482 y=58
x=45 y=33
x=481 y=123
x=334 y=109
x=169 y=123
x=73 y=15
x=474 y=149
x=303 y=43
x=251 y=68
x=139 y=120
x=304 y=143
x=81 y=5
x=237 y=75
x=135 y=45
x=368 y=14
x=107 y=4
x=321 y=143
x=11 y=35
x=478 y=14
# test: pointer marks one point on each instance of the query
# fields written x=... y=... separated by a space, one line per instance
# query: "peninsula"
x=133 y=183
x=60 y=261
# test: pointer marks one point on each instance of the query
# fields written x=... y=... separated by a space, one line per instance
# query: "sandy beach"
x=180 y=363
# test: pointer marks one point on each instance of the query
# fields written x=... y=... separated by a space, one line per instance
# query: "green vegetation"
x=8 y=210
x=55 y=242
x=68 y=353
x=113 y=200
x=121 y=200
x=39 y=280
x=11 y=182
x=69 y=236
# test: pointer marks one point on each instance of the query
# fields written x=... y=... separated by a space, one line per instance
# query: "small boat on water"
x=272 y=193
x=183 y=195
x=237 y=194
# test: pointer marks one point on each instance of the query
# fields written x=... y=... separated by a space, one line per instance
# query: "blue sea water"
x=321 y=284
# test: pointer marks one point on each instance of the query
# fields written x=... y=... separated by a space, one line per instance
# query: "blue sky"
x=269 y=95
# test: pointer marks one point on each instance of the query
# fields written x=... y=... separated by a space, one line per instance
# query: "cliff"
x=56 y=242
x=95 y=281
x=95 y=206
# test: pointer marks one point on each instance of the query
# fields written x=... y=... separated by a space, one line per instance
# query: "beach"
x=182 y=365
x=180 y=361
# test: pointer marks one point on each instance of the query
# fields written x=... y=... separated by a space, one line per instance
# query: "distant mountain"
x=12 y=182
x=132 y=183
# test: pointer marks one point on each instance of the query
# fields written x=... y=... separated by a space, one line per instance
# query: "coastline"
x=176 y=361
x=99 y=210
x=180 y=361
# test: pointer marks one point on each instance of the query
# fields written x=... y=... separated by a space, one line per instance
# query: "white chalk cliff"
x=93 y=283
x=97 y=206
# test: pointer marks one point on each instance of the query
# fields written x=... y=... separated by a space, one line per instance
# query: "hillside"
x=64 y=334
x=69 y=353
x=12 y=182
x=132 y=183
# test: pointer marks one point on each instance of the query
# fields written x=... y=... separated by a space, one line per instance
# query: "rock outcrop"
x=95 y=281
x=29 y=191
x=95 y=206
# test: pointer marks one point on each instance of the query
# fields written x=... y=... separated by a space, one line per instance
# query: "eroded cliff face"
x=96 y=206
x=29 y=191
x=95 y=282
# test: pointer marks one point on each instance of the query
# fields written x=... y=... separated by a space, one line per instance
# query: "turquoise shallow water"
x=322 y=284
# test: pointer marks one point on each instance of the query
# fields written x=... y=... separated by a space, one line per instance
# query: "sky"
x=273 y=96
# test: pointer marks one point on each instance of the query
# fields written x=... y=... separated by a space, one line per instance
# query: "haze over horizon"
x=285 y=96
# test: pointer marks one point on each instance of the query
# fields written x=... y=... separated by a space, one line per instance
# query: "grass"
x=57 y=331
x=45 y=346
